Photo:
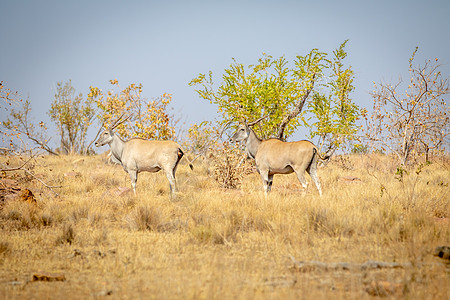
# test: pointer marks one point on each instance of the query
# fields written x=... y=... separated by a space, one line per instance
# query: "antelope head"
x=243 y=131
x=241 y=134
x=106 y=137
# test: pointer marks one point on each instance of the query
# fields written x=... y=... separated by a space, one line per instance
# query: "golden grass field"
x=212 y=243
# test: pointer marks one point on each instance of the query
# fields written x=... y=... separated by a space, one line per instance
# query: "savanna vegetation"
x=71 y=226
x=99 y=239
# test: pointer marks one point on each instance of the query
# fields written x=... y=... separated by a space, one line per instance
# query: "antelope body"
x=273 y=156
x=138 y=155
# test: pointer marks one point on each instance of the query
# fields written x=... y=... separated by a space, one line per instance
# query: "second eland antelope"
x=273 y=156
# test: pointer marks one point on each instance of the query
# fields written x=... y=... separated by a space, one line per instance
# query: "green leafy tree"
x=335 y=114
x=275 y=89
x=72 y=116
x=147 y=119
x=270 y=88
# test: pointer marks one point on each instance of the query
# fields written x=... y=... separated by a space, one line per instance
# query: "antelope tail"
x=190 y=163
x=325 y=157
x=181 y=155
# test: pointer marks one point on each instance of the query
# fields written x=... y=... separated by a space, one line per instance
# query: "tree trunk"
x=296 y=111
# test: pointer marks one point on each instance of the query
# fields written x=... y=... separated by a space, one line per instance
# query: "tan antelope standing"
x=139 y=155
x=273 y=156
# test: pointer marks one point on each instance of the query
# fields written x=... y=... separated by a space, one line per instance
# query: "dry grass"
x=216 y=243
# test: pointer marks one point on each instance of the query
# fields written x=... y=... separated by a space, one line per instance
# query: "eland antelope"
x=139 y=155
x=273 y=156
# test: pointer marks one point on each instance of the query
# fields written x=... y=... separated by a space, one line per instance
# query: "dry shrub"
x=218 y=234
x=405 y=229
x=80 y=212
x=329 y=222
x=246 y=221
x=105 y=180
x=375 y=163
x=344 y=161
x=4 y=248
x=53 y=213
x=201 y=224
x=202 y=233
x=217 y=229
x=227 y=231
x=47 y=219
x=144 y=218
x=128 y=201
x=230 y=166
x=12 y=215
x=439 y=206
x=86 y=211
x=67 y=236
x=101 y=237
x=317 y=219
x=227 y=227
x=201 y=219
x=95 y=218
x=236 y=223
x=22 y=215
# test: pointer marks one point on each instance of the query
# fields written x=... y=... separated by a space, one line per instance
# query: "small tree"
x=148 y=119
x=271 y=88
x=18 y=124
x=72 y=116
x=279 y=91
x=200 y=137
x=415 y=121
x=228 y=163
x=332 y=107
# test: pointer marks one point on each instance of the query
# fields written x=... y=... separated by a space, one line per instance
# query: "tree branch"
x=42 y=145
x=50 y=187
x=297 y=110
x=96 y=136
x=17 y=168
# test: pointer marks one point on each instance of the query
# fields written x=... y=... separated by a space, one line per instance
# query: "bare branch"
x=298 y=108
x=50 y=187
x=223 y=129
x=96 y=136
x=207 y=143
x=17 y=168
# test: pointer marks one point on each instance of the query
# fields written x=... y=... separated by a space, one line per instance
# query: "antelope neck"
x=117 y=147
x=253 y=143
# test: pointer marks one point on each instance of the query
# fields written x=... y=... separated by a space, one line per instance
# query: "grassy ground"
x=219 y=244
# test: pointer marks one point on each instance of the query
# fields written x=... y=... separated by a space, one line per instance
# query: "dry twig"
x=22 y=167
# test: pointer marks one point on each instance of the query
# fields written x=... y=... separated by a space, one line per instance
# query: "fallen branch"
x=17 y=168
x=310 y=266
x=50 y=187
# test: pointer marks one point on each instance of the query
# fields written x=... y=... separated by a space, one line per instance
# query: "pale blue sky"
x=164 y=44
